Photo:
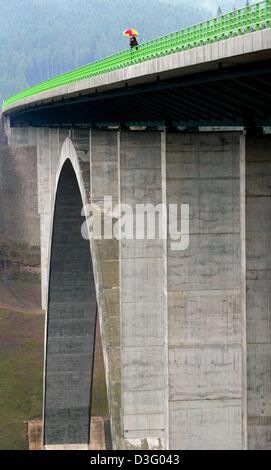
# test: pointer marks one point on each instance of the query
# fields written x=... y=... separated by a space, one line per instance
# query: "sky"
x=216 y=3
x=213 y=5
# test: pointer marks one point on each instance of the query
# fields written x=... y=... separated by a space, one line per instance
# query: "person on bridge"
x=132 y=34
x=133 y=42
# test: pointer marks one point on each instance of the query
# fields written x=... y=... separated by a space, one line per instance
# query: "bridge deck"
x=229 y=35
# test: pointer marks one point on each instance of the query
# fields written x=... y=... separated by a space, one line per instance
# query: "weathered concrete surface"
x=177 y=327
x=171 y=322
x=143 y=299
x=258 y=234
x=19 y=222
x=34 y=434
x=61 y=447
x=205 y=329
x=49 y=142
x=97 y=434
x=104 y=255
x=104 y=181
x=108 y=165
x=231 y=51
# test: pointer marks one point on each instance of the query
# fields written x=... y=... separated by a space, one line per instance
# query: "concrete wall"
x=143 y=299
x=258 y=234
x=56 y=147
x=19 y=221
x=104 y=181
x=205 y=330
x=184 y=333
x=49 y=143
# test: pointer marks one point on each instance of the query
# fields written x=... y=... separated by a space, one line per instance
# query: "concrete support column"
x=206 y=331
x=81 y=141
x=142 y=298
x=22 y=143
x=54 y=154
x=104 y=182
x=20 y=224
x=49 y=145
x=258 y=235
x=44 y=205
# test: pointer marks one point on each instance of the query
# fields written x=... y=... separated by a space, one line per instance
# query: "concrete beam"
x=232 y=51
x=143 y=299
x=205 y=331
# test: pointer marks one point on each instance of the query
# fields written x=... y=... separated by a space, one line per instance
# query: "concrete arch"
x=71 y=312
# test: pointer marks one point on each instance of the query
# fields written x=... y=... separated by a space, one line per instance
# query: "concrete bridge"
x=186 y=334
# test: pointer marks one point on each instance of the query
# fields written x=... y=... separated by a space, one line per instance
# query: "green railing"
x=251 y=18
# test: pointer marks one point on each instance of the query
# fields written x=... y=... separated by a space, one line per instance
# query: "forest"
x=41 y=38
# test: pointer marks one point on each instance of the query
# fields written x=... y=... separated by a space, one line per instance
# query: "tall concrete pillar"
x=45 y=205
x=104 y=181
x=48 y=152
x=206 y=329
x=53 y=155
x=20 y=224
x=142 y=299
x=258 y=236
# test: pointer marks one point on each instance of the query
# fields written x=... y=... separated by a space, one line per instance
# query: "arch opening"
x=71 y=321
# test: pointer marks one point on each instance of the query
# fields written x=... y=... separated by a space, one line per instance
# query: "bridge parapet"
x=236 y=23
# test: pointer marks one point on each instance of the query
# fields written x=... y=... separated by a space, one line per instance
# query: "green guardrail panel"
x=250 y=18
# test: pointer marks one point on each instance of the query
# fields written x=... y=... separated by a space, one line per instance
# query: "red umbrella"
x=130 y=32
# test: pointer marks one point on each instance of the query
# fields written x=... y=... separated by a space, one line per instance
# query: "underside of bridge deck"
x=228 y=96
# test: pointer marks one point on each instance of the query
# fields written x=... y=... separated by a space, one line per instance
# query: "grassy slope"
x=21 y=364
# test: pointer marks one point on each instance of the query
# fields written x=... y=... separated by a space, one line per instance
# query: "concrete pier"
x=258 y=247
x=205 y=327
x=185 y=334
x=143 y=299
